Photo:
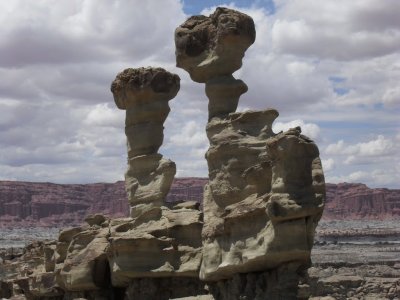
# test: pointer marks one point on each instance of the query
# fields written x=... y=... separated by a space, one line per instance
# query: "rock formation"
x=159 y=251
x=264 y=197
x=339 y=270
x=266 y=191
x=41 y=204
x=35 y=204
x=357 y=201
x=144 y=94
x=135 y=257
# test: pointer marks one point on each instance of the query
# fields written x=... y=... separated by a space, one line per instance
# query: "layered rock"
x=157 y=242
x=264 y=199
x=48 y=204
x=357 y=201
x=160 y=243
x=68 y=204
x=266 y=191
x=210 y=47
x=144 y=94
x=350 y=282
x=160 y=248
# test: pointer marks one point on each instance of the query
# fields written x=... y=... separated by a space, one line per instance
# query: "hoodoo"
x=266 y=191
x=264 y=198
x=144 y=94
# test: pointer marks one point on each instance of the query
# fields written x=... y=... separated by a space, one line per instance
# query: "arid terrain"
x=55 y=205
x=350 y=259
x=356 y=253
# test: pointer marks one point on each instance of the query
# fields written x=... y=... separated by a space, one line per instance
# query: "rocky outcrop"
x=211 y=47
x=357 y=201
x=362 y=282
x=49 y=204
x=266 y=191
x=262 y=202
x=160 y=243
x=336 y=273
x=120 y=253
x=68 y=204
x=144 y=94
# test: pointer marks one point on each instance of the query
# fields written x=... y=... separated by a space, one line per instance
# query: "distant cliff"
x=357 y=201
x=49 y=204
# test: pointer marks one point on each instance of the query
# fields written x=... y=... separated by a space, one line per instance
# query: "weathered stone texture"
x=266 y=191
x=144 y=94
x=68 y=204
x=213 y=46
x=264 y=199
x=159 y=243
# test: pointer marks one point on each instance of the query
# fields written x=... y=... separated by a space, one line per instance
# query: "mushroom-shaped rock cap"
x=208 y=47
x=144 y=84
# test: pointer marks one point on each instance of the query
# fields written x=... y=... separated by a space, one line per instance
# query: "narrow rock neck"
x=223 y=93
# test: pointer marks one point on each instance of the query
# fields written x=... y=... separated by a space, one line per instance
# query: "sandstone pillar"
x=266 y=191
x=144 y=94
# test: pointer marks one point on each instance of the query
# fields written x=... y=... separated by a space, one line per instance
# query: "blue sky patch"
x=194 y=7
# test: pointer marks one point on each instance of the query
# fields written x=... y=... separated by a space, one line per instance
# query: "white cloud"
x=380 y=146
x=309 y=129
x=391 y=97
x=105 y=116
x=337 y=29
x=374 y=162
x=336 y=148
x=192 y=134
x=376 y=178
x=331 y=67
x=328 y=164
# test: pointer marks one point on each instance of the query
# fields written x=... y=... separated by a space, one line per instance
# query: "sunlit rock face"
x=213 y=46
x=155 y=242
x=160 y=243
x=263 y=201
x=266 y=191
x=144 y=94
x=264 y=198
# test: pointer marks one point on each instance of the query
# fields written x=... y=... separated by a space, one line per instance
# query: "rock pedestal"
x=263 y=201
x=144 y=94
x=266 y=191
x=157 y=243
x=211 y=47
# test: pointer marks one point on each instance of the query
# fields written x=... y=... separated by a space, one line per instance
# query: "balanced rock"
x=144 y=94
x=210 y=49
x=266 y=191
x=213 y=46
x=156 y=242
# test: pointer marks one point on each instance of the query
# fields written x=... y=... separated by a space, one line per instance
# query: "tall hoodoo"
x=144 y=94
x=210 y=49
x=266 y=191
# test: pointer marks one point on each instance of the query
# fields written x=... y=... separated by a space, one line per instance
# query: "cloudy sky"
x=332 y=67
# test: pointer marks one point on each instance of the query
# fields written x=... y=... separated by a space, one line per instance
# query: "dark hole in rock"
x=102 y=273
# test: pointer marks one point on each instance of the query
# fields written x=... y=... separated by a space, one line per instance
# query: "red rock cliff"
x=356 y=201
x=50 y=204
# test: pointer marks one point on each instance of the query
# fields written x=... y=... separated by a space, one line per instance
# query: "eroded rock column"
x=266 y=191
x=144 y=94
x=210 y=49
